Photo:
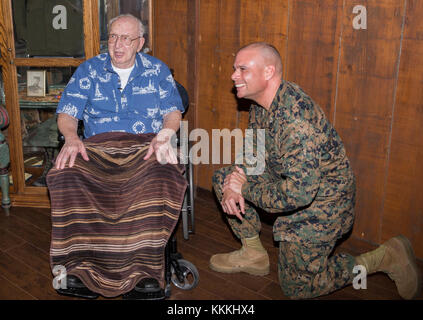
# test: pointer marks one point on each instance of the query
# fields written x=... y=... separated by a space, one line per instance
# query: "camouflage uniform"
x=309 y=182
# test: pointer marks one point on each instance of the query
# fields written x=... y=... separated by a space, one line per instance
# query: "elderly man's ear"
x=141 y=44
x=269 y=71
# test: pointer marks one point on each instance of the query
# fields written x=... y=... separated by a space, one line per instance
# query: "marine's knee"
x=295 y=287
x=296 y=271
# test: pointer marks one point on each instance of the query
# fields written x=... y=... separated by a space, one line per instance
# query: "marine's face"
x=123 y=56
x=249 y=74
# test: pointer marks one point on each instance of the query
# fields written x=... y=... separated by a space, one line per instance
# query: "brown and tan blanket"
x=113 y=215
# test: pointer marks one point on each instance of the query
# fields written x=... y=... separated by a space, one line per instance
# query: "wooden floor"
x=25 y=271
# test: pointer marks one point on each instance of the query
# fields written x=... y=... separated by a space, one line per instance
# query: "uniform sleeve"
x=252 y=157
x=296 y=175
x=75 y=96
x=170 y=100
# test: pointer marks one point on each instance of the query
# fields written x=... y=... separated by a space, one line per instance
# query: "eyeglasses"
x=126 y=40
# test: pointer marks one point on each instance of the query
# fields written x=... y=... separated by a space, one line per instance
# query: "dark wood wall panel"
x=313 y=43
x=171 y=39
x=174 y=51
x=218 y=39
x=364 y=106
x=403 y=210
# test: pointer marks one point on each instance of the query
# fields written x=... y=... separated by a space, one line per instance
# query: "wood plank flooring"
x=25 y=271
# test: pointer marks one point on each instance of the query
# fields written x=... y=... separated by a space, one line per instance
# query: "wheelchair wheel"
x=188 y=274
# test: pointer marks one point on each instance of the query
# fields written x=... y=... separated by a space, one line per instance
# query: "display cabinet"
x=42 y=43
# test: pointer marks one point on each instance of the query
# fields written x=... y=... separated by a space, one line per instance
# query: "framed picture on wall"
x=36 y=83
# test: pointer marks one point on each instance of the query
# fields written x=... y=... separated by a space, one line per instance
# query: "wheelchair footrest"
x=138 y=295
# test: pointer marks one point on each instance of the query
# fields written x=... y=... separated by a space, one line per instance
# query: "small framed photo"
x=36 y=83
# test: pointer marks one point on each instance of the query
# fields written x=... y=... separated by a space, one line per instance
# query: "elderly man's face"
x=123 y=56
x=249 y=74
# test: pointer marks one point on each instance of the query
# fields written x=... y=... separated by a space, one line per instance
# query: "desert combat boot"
x=396 y=258
x=252 y=258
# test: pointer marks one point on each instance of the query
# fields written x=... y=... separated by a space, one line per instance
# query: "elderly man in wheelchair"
x=116 y=196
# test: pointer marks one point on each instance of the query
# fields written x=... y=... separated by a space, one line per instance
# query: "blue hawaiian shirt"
x=93 y=95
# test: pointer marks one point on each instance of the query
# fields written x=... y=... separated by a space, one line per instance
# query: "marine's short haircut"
x=269 y=52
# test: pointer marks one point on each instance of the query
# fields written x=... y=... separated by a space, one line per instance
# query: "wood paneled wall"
x=369 y=82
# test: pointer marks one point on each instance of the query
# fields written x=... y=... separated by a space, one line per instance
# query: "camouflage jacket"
x=306 y=165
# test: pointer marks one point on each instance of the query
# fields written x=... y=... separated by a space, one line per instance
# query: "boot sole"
x=405 y=243
x=250 y=270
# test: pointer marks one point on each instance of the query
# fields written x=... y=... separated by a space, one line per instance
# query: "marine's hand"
x=235 y=180
x=69 y=151
x=233 y=203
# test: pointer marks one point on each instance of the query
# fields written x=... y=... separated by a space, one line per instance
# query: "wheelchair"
x=182 y=273
x=178 y=271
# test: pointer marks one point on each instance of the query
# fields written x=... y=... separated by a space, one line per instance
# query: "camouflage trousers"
x=307 y=267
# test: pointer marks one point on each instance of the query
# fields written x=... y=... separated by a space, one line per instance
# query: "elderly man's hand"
x=162 y=147
x=69 y=151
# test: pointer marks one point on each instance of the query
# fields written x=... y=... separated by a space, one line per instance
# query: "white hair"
x=128 y=15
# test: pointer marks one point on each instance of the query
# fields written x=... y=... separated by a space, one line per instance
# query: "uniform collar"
x=277 y=98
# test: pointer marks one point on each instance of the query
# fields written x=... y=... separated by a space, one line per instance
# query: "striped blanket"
x=113 y=215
